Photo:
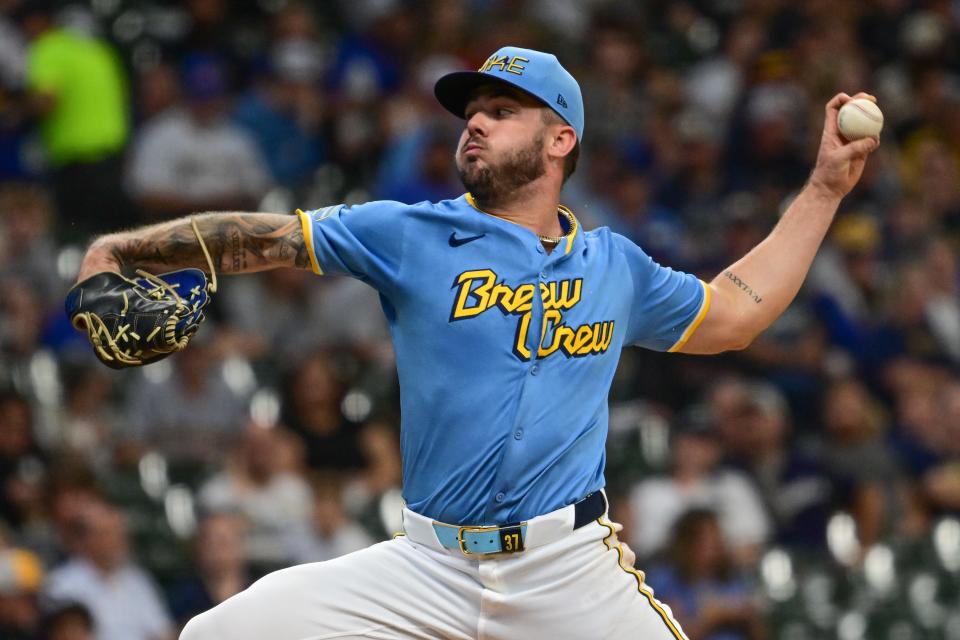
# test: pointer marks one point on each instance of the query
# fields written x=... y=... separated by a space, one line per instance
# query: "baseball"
x=860 y=118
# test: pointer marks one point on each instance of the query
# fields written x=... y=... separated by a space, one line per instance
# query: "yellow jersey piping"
x=307 y=225
x=644 y=590
x=704 y=307
x=473 y=203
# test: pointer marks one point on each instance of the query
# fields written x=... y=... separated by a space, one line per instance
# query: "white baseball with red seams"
x=860 y=118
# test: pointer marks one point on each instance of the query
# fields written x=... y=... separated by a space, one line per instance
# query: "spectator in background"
x=364 y=329
x=333 y=532
x=615 y=86
x=415 y=161
x=767 y=158
x=906 y=330
x=88 y=416
x=366 y=453
x=422 y=169
x=930 y=141
x=744 y=222
x=716 y=82
x=293 y=324
x=943 y=300
x=367 y=67
x=27 y=249
x=78 y=89
x=13 y=55
x=101 y=575
x=908 y=228
x=652 y=226
x=215 y=28
x=856 y=452
x=925 y=440
x=589 y=191
x=71 y=492
x=283 y=113
x=848 y=280
x=697 y=181
x=305 y=314
x=219 y=571
x=942 y=484
x=191 y=415
x=21 y=575
x=792 y=354
x=263 y=483
x=22 y=463
x=69 y=622
x=699 y=582
x=23 y=312
x=697 y=481
x=192 y=158
x=796 y=488
x=158 y=89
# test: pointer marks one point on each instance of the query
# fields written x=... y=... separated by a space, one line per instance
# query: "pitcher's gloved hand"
x=136 y=321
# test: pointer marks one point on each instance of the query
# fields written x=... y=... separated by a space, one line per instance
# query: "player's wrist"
x=100 y=257
x=820 y=190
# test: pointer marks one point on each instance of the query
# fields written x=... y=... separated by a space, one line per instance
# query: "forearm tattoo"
x=747 y=289
x=237 y=242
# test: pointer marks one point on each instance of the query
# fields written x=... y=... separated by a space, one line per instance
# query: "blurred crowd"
x=806 y=487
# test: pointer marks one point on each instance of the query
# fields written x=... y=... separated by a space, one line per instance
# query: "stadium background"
x=807 y=487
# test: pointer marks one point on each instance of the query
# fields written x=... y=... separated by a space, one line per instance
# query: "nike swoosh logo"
x=456 y=242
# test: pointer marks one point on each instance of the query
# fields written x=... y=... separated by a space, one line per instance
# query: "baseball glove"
x=135 y=321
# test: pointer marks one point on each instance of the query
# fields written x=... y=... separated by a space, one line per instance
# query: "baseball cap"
x=539 y=74
x=203 y=78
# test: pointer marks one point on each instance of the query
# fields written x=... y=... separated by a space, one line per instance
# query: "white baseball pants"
x=412 y=587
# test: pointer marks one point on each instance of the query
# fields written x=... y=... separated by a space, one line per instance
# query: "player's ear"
x=561 y=141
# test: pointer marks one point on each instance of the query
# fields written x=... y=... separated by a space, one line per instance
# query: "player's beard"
x=490 y=184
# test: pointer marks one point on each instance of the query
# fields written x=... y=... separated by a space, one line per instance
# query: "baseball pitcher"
x=507 y=319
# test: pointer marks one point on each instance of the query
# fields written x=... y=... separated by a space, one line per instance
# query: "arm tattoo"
x=238 y=242
x=743 y=286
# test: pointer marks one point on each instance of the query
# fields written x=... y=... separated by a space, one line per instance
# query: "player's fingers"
x=836 y=102
x=831 y=110
x=865 y=96
x=858 y=148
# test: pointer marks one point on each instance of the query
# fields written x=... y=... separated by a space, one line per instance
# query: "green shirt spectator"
x=88 y=118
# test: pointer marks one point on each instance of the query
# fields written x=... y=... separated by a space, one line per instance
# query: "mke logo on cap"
x=505 y=63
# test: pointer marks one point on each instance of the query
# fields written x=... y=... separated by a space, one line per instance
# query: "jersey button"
x=539 y=248
x=535 y=369
x=543 y=275
x=500 y=496
x=518 y=434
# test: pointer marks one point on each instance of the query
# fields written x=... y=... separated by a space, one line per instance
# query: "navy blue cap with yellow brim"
x=536 y=73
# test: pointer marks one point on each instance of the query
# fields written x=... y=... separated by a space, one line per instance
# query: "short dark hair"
x=570 y=162
x=64 y=611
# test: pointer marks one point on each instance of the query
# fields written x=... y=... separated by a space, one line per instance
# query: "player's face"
x=501 y=149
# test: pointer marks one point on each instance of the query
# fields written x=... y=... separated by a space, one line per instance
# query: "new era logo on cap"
x=537 y=73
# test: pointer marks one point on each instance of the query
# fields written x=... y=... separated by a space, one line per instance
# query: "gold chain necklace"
x=571 y=224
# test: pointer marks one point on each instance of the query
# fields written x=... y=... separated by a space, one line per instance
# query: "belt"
x=511 y=538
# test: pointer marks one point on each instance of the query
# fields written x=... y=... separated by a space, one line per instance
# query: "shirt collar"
x=570 y=235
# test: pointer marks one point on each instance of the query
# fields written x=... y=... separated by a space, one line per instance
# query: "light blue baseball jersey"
x=505 y=353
